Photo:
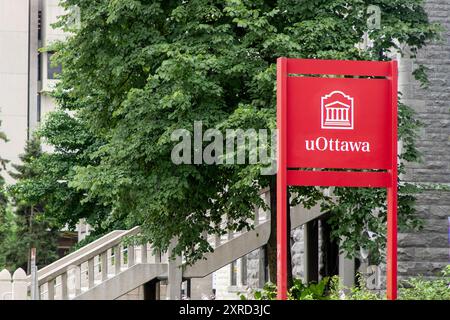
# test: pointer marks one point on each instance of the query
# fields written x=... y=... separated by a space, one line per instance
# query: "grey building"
x=26 y=74
x=427 y=251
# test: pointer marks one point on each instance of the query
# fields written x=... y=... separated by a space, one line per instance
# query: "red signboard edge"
x=282 y=184
x=281 y=180
x=391 y=257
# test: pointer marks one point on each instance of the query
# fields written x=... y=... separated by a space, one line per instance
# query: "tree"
x=5 y=217
x=31 y=230
x=42 y=182
x=138 y=70
x=44 y=202
x=5 y=225
x=2 y=180
x=7 y=236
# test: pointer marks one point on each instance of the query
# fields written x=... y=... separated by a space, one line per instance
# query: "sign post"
x=337 y=126
x=34 y=280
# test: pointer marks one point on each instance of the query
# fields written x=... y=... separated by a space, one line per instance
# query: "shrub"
x=421 y=289
x=416 y=288
x=359 y=292
x=311 y=291
x=299 y=291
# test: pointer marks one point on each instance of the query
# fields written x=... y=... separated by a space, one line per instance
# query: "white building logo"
x=337 y=111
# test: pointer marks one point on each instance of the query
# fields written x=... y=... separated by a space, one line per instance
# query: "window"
x=38 y=108
x=244 y=270
x=40 y=25
x=52 y=71
x=39 y=67
x=233 y=274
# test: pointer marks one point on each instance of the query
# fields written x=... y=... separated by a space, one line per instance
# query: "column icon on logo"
x=337 y=111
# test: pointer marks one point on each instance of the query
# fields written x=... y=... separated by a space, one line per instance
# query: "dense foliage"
x=27 y=228
x=137 y=70
x=419 y=288
x=52 y=172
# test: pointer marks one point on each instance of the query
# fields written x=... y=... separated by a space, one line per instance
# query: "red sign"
x=338 y=123
x=337 y=115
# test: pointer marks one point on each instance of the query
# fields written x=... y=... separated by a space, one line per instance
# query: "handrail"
x=89 y=254
x=244 y=243
x=78 y=253
x=229 y=247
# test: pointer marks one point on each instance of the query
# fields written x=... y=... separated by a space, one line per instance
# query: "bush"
x=268 y=292
x=416 y=288
x=421 y=289
x=299 y=291
x=311 y=291
x=359 y=292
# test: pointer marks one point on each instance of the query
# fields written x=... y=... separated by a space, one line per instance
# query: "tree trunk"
x=272 y=243
x=31 y=244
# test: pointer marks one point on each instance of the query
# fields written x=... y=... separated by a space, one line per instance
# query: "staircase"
x=109 y=267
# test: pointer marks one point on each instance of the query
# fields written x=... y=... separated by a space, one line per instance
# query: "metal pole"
x=391 y=282
x=34 y=278
x=282 y=245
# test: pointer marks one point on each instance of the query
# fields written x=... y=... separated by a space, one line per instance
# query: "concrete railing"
x=90 y=266
x=96 y=266
x=236 y=245
x=79 y=253
x=13 y=287
x=259 y=218
x=106 y=257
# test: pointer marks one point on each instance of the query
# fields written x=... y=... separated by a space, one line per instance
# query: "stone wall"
x=427 y=251
x=255 y=269
x=297 y=251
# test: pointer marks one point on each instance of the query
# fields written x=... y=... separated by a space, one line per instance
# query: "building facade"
x=26 y=74
x=427 y=251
